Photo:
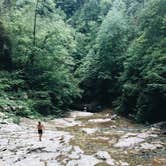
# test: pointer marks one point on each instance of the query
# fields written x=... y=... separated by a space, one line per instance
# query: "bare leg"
x=40 y=135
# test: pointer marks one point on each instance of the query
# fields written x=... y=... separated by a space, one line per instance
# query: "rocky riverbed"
x=82 y=139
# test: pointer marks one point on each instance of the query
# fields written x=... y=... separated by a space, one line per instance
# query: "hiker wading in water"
x=40 y=128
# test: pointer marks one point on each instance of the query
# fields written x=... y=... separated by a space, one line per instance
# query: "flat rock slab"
x=103 y=155
x=75 y=114
x=85 y=160
x=78 y=150
x=99 y=120
x=158 y=161
x=9 y=128
x=128 y=142
x=122 y=163
x=30 y=162
x=111 y=162
x=90 y=130
x=131 y=139
x=149 y=146
x=19 y=146
x=65 y=122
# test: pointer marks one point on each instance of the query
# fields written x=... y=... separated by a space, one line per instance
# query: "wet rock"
x=154 y=130
x=129 y=135
x=52 y=163
x=102 y=138
x=3 y=142
x=107 y=115
x=67 y=149
x=159 y=162
x=100 y=120
x=113 y=127
x=145 y=135
x=35 y=150
x=122 y=163
x=103 y=155
x=128 y=142
x=78 y=150
x=85 y=160
x=19 y=145
x=11 y=128
x=150 y=146
x=74 y=155
x=30 y=162
x=114 y=117
x=114 y=132
x=111 y=162
x=131 y=139
x=89 y=130
x=112 y=141
x=65 y=122
x=160 y=125
x=75 y=114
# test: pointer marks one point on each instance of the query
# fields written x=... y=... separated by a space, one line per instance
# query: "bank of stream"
x=82 y=139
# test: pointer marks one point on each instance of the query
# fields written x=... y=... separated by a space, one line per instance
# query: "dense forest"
x=57 y=55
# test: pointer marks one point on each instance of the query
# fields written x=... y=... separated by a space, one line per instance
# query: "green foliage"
x=16 y=120
x=69 y=6
x=103 y=64
x=111 y=50
x=126 y=66
x=144 y=81
x=87 y=20
x=45 y=67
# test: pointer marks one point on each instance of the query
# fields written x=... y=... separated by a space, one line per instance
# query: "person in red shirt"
x=40 y=128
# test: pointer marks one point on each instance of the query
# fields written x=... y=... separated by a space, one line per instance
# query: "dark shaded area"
x=5 y=50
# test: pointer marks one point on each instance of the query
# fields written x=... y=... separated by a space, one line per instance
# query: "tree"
x=5 y=49
x=106 y=63
x=144 y=75
x=51 y=85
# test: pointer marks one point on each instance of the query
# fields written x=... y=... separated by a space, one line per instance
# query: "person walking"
x=40 y=128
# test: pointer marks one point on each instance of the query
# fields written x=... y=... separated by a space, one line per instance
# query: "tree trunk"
x=31 y=58
x=34 y=27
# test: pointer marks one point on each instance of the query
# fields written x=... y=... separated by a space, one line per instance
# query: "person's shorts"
x=40 y=131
